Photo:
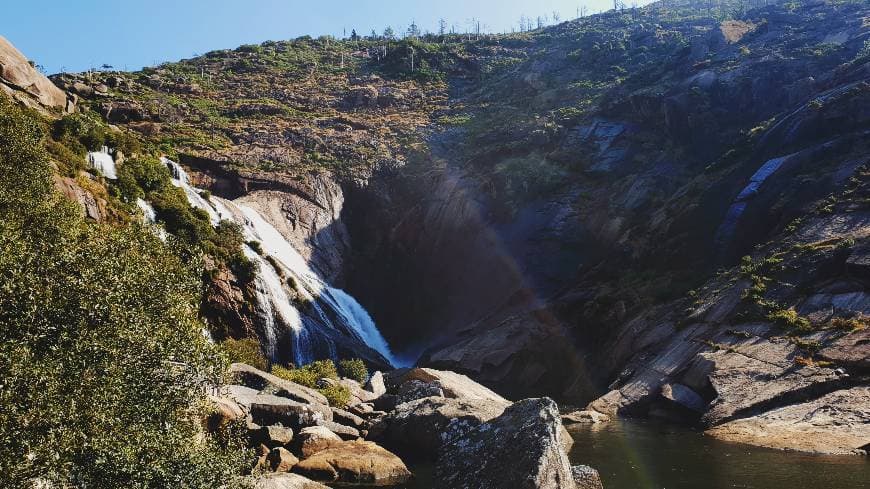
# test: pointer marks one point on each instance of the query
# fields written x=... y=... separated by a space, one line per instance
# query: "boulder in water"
x=586 y=477
x=522 y=449
x=584 y=417
x=419 y=428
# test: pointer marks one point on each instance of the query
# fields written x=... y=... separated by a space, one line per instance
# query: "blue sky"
x=129 y=34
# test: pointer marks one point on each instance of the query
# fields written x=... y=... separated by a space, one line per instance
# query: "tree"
x=556 y=17
x=389 y=34
x=373 y=36
x=413 y=30
x=442 y=27
x=353 y=35
x=102 y=358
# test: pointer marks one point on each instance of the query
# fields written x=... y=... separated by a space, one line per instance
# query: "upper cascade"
x=318 y=316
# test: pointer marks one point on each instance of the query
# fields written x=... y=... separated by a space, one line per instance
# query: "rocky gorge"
x=657 y=213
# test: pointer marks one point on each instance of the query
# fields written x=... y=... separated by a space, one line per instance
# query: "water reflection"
x=647 y=455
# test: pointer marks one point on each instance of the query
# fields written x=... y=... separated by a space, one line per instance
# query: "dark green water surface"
x=647 y=455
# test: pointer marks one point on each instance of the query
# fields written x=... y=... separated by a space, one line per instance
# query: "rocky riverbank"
x=472 y=436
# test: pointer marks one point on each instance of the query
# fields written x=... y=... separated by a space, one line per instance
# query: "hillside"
x=656 y=212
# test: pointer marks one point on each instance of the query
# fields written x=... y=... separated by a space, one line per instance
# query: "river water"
x=648 y=455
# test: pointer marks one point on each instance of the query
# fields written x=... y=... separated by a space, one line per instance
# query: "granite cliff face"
x=564 y=212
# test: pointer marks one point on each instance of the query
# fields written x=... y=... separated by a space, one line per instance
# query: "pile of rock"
x=473 y=436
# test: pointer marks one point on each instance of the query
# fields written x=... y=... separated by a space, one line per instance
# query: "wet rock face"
x=522 y=448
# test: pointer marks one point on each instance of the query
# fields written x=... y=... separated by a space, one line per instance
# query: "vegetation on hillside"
x=103 y=364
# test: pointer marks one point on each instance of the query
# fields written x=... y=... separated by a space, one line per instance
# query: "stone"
x=267 y=410
x=584 y=417
x=344 y=432
x=313 y=439
x=223 y=412
x=355 y=462
x=17 y=72
x=347 y=418
x=376 y=385
x=284 y=481
x=281 y=460
x=453 y=385
x=586 y=477
x=419 y=428
x=271 y=436
x=684 y=396
x=522 y=449
x=417 y=389
x=837 y=424
x=365 y=409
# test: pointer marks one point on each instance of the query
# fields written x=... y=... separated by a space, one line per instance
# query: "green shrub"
x=256 y=246
x=84 y=127
x=354 y=369
x=138 y=177
x=245 y=351
x=301 y=376
x=70 y=161
x=789 y=318
x=337 y=395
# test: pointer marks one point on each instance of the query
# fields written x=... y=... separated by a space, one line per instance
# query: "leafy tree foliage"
x=103 y=365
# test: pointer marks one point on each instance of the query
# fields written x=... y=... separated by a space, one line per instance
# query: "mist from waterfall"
x=316 y=306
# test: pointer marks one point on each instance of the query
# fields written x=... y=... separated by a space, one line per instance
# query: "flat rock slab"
x=852 y=350
x=453 y=385
x=355 y=462
x=253 y=378
x=837 y=423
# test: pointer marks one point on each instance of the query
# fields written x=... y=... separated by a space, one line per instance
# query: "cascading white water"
x=147 y=211
x=325 y=306
x=102 y=160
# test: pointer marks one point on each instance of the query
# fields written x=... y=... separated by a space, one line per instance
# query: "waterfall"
x=102 y=160
x=181 y=180
x=317 y=312
x=147 y=211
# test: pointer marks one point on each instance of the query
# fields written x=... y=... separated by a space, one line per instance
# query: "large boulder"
x=281 y=460
x=17 y=73
x=284 y=481
x=419 y=428
x=267 y=410
x=355 y=462
x=453 y=385
x=315 y=439
x=522 y=448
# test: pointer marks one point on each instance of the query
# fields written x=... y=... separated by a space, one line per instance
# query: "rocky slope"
x=564 y=211
x=473 y=436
